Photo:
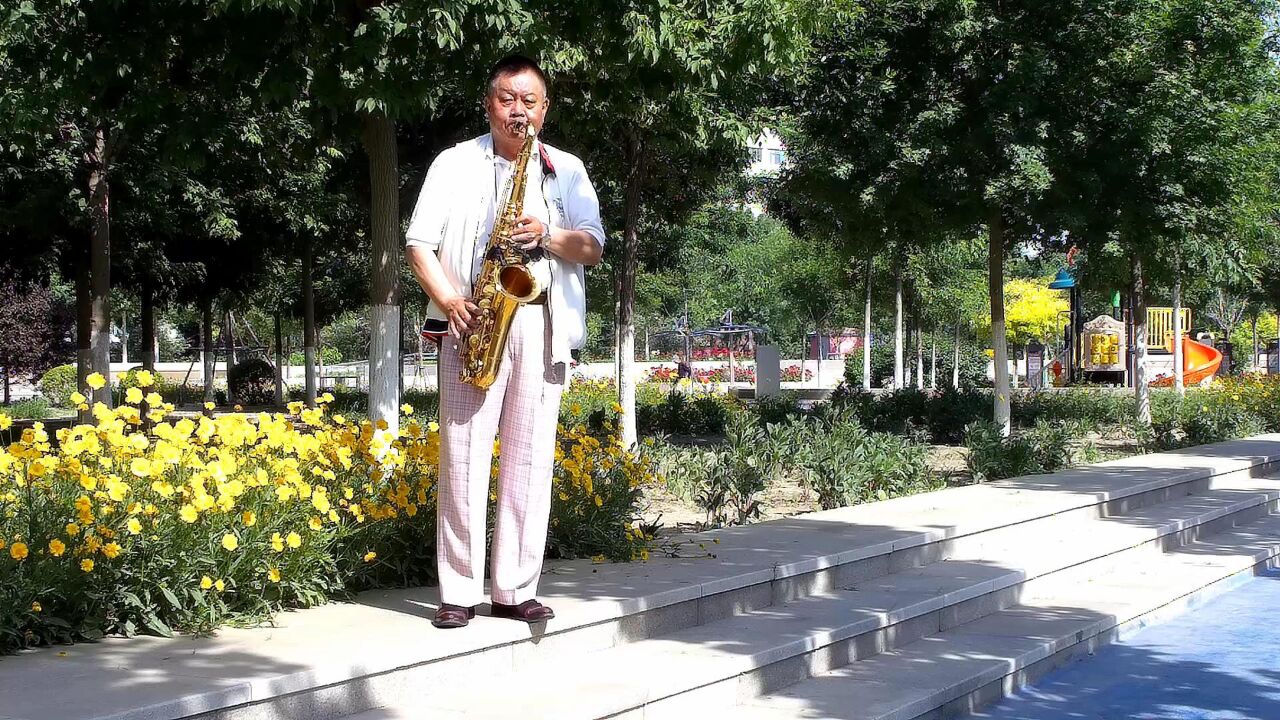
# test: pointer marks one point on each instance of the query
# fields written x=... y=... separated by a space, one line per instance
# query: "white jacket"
x=451 y=218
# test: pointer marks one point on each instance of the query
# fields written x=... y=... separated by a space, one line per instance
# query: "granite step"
x=717 y=664
x=963 y=669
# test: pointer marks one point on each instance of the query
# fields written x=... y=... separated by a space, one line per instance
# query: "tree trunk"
x=1141 y=390
x=955 y=359
x=206 y=329
x=898 y=369
x=84 y=333
x=919 y=356
x=1179 y=377
x=124 y=338
x=1255 y=342
x=309 y=322
x=627 y=291
x=1013 y=376
x=866 y=334
x=149 y=354
x=999 y=343
x=933 y=361
x=379 y=138
x=229 y=342
x=279 y=363
x=100 y=264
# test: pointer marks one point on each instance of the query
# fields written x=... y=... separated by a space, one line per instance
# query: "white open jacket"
x=453 y=208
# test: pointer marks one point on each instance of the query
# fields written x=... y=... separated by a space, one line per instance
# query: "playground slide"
x=1199 y=361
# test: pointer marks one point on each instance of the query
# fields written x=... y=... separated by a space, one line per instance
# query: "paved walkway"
x=1220 y=661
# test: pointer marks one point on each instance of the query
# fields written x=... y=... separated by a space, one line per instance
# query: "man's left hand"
x=528 y=232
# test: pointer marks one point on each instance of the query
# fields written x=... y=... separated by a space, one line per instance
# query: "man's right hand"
x=463 y=315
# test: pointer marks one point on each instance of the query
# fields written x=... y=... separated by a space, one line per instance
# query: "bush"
x=124 y=537
x=1044 y=448
x=847 y=465
x=253 y=382
x=58 y=384
x=678 y=413
x=733 y=478
x=33 y=409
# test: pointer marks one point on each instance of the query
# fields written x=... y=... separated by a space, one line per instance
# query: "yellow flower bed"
x=145 y=522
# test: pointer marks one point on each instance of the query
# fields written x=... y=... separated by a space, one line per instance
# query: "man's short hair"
x=513 y=65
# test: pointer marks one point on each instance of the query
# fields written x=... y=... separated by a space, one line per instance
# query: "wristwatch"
x=545 y=239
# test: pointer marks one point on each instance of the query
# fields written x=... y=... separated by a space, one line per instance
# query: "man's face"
x=518 y=99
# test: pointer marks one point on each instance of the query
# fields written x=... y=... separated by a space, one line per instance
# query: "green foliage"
x=1044 y=448
x=847 y=465
x=733 y=477
x=678 y=413
x=57 y=385
x=253 y=382
x=36 y=408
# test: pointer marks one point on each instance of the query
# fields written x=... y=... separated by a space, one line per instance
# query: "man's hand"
x=528 y=232
x=463 y=315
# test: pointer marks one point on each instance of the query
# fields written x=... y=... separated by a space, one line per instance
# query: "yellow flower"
x=188 y=513
x=96 y=381
x=72 y=529
x=77 y=398
x=248 y=518
x=154 y=400
x=230 y=542
x=56 y=547
x=219 y=585
x=273 y=575
x=294 y=540
x=406 y=409
x=133 y=396
x=206 y=582
x=86 y=565
x=36 y=607
x=18 y=551
x=616 y=407
x=144 y=378
x=370 y=556
x=135 y=527
x=277 y=542
x=140 y=467
x=315 y=523
x=111 y=550
x=6 y=422
x=599 y=501
x=209 y=406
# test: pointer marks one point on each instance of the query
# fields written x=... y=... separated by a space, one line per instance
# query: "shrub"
x=36 y=408
x=733 y=477
x=678 y=413
x=58 y=384
x=1044 y=448
x=253 y=382
x=776 y=409
x=847 y=465
x=191 y=524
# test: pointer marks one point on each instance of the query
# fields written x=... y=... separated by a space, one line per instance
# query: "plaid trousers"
x=521 y=408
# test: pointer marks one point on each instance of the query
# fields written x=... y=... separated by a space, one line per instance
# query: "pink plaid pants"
x=522 y=409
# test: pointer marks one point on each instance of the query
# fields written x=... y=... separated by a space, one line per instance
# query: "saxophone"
x=504 y=284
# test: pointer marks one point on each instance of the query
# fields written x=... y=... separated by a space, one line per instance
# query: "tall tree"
x=670 y=93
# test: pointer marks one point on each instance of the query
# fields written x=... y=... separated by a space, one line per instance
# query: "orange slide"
x=1199 y=361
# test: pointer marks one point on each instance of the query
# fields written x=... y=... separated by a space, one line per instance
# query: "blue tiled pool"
x=1218 y=661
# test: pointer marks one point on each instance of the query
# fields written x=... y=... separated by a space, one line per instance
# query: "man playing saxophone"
x=560 y=233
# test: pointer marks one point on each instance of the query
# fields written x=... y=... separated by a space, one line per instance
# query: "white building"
x=768 y=153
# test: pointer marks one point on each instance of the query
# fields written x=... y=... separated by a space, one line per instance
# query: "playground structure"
x=1101 y=349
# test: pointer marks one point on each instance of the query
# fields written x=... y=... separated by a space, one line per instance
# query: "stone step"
x=339 y=659
x=743 y=656
x=967 y=667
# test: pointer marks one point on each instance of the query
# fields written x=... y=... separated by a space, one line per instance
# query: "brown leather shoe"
x=453 y=616
x=530 y=611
